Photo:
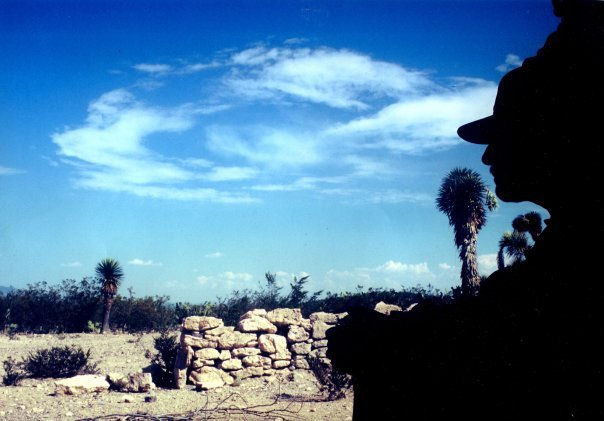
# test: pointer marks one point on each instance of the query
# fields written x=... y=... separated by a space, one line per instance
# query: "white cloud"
x=10 y=171
x=397 y=267
x=422 y=123
x=487 y=263
x=268 y=146
x=295 y=41
x=140 y=262
x=153 y=68
x=215 y=255
x=337 y=78
x=446 y=266
x=226 y=280
x=71 y=265
x=391 y=274
x=511 y=61
x=109 y=151
x=230 y=173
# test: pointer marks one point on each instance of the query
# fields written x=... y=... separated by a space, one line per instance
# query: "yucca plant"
x=464 y=198
x=110 y=275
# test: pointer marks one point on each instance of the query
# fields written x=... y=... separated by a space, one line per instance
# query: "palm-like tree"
x=514 y=245
x=110 y=275
x=464 y=198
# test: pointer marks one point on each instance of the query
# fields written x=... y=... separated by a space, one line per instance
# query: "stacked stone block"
x=263 y=343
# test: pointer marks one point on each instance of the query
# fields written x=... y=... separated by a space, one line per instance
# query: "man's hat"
x=519 y=104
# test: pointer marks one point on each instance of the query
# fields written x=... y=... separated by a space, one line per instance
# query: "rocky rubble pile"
x=213 y=355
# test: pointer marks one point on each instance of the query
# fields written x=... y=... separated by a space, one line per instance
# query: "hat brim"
x=479 y=131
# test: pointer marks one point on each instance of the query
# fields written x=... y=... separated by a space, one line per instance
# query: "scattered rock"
x=132 y=382
x=77 y=385
x=151 y=398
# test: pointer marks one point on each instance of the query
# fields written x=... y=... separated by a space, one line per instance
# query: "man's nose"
x=487 y=156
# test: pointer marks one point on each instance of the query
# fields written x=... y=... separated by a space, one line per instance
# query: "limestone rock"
x=253 y=361
x=244 y=352
x=213 y=334
x=277 y=364
x=301 y=363
x=184 y=356
x=321 y=316
x=132 y=382
x=302 y=348
x=235 y=339
x=232 y=364
x=342 y=315
x=384 y=308
x=297 y=334
x=306 y=324
x=225 y=354
x=260 y=312
x=201 y=323
x=197 y=342
x=319 y=328
x=285 y=316
x=196 y=364
x=256 y=324
x=247 y=372
x=319 y=344
x=271 y=343
x=209 y=379
x=77 y=385
x=319 y=353
x=207 y=354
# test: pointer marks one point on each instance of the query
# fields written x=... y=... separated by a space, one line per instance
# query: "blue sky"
x=205 y=143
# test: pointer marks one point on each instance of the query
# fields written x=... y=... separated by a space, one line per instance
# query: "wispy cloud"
x=424 y=123
x=140 y=262
x=215 y=255
x=338 y=78
x=446 y=266
x=391 y=274
x=153 y=68
x=511 y=61
x=10 y=171
x=162 y=69
x=226 y=280
x=71 y=265
x=110 y=153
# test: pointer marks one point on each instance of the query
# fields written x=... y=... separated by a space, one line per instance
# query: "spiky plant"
x=515 y=245
x=110 y=275
x=464 y=198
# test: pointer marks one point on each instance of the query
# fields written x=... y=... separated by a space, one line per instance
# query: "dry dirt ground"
x=33 y=399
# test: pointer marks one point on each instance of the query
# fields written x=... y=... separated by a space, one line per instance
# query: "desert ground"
x=297 y=397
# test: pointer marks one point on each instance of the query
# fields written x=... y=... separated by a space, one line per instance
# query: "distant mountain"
x=5 y=290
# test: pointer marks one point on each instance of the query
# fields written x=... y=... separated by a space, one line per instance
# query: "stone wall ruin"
x=262 y=344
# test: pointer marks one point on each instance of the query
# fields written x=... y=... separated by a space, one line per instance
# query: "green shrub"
x=167 y=348
x=14 y=372
x=65 y=361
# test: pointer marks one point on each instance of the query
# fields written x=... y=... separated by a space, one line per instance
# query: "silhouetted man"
x=528 y=346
